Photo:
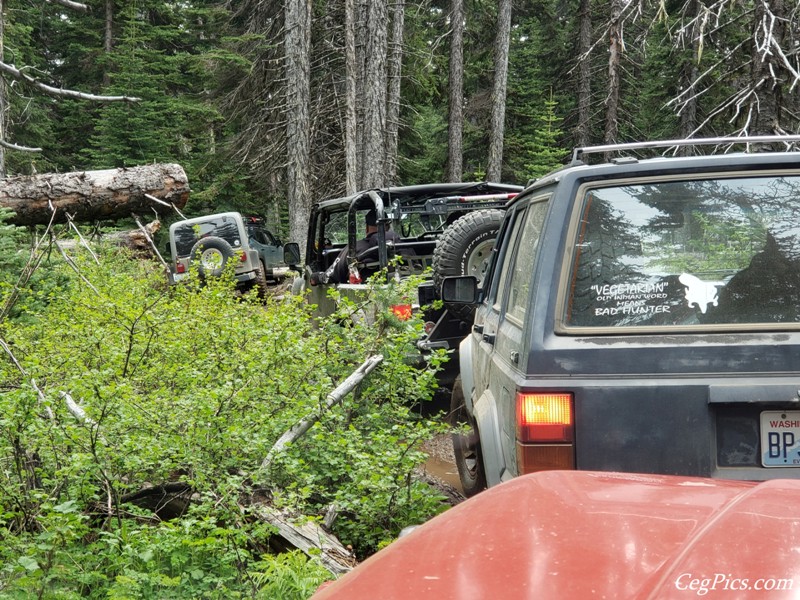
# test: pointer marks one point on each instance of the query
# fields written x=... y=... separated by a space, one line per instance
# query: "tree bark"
x=494 y=170
x=395 y=66
x=614 y=58
x=351 y=86
x=688 y=75
x=307 y=536
x=362 y=34
x=298 y=95
x=108 y=38
x=94 y=195
x=455 y=130
x=2 y=89
x=375 y=96
x=584 y=127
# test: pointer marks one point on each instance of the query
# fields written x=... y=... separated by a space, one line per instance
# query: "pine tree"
x=545 y=152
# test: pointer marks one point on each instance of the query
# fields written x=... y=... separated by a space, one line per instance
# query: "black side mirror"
x=291 y=253
x=460 y=290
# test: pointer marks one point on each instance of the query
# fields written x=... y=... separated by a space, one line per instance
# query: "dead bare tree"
x=373 y=157
x=584 y=92
x=614 y=75
x=765 y=65
x=351 y=87
x=298 y=80
x=499 y=86
x=455 y=135
x=395 y=68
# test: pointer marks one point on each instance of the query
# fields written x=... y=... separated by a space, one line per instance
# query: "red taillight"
x=402 y=311
x=544 y=417
x=180 y=268
x=354 y=278
x=242 y=257
x=545 y=431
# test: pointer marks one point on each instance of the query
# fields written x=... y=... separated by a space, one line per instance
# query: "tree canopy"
x=257 y=119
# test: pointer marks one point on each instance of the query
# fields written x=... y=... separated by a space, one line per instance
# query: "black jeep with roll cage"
x=440 y=229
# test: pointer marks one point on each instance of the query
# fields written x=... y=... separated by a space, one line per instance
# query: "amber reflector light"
x=544 y=457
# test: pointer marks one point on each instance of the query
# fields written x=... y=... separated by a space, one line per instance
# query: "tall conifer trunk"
x=375 y=89
x=502 y=43
x=584 y=127
x=455 y=150
x=688 y=74
x=351 y=85
x=614 y=83
x=3 y=99
x=108 y=38
x=395 y=66
x=768 y=75
x=298 y=80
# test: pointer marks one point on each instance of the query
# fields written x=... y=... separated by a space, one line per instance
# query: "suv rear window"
x=688 y=253
x=224 y=227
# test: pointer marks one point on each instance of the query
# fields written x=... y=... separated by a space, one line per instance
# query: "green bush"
x=193 y=384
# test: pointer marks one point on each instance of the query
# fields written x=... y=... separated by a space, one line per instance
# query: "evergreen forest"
x=140 y=423
x=270 y=106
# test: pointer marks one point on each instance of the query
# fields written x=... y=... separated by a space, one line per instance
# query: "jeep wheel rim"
x=212 y=259
x=478 y=260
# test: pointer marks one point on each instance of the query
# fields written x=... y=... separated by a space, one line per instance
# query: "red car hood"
x=576 y=535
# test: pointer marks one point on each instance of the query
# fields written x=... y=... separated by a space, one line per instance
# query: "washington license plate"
x=780 y=438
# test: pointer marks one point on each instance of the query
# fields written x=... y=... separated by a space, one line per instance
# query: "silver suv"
x=215 y=240
x=641 y=316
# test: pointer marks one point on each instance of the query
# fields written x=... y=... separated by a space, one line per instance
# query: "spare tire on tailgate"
x=213 y=254
x=465 y=248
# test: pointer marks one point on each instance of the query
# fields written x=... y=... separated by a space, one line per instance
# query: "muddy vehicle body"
x=639 y=315
x=437 y=229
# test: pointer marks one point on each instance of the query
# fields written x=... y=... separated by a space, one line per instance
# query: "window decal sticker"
x=700 y=293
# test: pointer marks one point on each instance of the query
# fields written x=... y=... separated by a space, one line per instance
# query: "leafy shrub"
x=142 y=384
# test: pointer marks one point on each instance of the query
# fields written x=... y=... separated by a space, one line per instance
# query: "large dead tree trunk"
x=94 y=195
x=502 y=42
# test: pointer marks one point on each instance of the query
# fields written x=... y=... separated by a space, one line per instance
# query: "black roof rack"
x=577 y=153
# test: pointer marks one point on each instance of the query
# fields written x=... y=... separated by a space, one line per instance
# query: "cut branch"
x=335 y=397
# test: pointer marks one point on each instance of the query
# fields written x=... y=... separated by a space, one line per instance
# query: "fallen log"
x=94 y=195
x=307 y=536
x=138 y=240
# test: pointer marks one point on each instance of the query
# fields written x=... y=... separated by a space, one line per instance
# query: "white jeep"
x=211 y=241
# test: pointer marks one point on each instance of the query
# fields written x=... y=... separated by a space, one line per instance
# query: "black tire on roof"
x=464 y=248
x=212 y=254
